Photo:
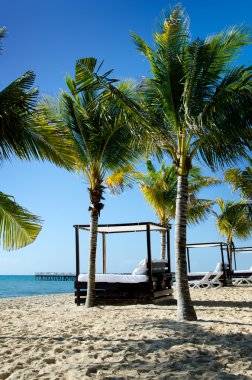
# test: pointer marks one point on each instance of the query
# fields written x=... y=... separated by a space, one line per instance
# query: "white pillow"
x=141 y=268
x=159 y=261
x=218 y=267
x=143 y=263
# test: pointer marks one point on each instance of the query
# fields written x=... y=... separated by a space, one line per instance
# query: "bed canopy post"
x=228 y=257
x=188 y=260
x=104 y=254
x=168 y=248
x=235 y=259
x=149 y=252
x=223 y=264
x=77 y=248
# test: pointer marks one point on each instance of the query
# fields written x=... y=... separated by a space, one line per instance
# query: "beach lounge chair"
x=215 y=282
x=243 y=281
x=250 y=279
x=242 y=277
x=202 y=283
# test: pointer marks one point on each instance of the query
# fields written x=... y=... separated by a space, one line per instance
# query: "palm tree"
x=23 y=134
x=159 y=188
x=199 y=106
x=98 y=128
x=232 y=222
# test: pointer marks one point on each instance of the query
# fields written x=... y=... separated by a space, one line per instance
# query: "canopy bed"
x=241 y=276
x=150 y=282
x=221 y=266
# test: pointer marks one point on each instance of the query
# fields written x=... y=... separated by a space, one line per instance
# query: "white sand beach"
x=49 y=337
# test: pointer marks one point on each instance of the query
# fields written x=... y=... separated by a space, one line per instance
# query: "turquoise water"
x=19 y=286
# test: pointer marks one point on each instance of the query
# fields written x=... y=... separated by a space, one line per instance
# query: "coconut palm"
x=199 y=106
x=232 y=222
x=159 y=188
x=98 y=127
x=23 y=135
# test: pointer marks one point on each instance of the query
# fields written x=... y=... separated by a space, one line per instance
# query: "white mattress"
x=243 y=271
x=123 y=278
x=201 y=273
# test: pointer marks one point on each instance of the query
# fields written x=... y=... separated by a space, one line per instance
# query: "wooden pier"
x=53 y=276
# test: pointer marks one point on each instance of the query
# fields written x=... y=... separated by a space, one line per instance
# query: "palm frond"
x=16 y=103
x=198 y=183
x=227 y=45
x=142 y=46
x=119 y=179
x=234 y=220
x=51 y=140
x=18 y=227
x=86 y=75
x=27 y=132
x=198 y=210
x=240 y=180
x=97 y=125
x=159 y=188
x=2 y=35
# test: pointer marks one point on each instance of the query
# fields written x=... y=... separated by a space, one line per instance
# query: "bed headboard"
x=159 y=266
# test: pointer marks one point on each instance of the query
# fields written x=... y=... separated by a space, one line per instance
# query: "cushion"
x=141 y=268
x=218 y=267
x=159 y=261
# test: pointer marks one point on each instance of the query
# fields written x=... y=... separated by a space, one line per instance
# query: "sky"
x=48 y=37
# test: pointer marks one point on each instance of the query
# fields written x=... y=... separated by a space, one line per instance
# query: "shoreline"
x=49 y=337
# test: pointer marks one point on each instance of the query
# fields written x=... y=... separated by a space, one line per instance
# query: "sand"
x=50 y=338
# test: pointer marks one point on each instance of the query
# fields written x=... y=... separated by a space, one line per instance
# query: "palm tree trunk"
x=163 y=244
x=185 y=309
x=90 y=300
x=95 y=195
x=230 y=253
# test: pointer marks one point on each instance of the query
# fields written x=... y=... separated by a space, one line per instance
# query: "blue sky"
x=48 y=37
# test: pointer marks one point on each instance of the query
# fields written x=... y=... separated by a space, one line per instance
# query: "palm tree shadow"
x=222 y=303
x=184 y=351
x=179 y=350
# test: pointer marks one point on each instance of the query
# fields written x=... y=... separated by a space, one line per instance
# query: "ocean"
x=20 y=286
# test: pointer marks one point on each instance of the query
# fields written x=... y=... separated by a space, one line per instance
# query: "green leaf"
x=18 y=227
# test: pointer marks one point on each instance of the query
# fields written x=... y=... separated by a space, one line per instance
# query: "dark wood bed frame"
x=158 y=288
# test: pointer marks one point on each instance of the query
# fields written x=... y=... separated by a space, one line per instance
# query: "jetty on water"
x=53 y=276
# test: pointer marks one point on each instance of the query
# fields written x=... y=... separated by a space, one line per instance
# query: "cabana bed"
x=223 y=249
x=241 y=276
x=154 y=286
